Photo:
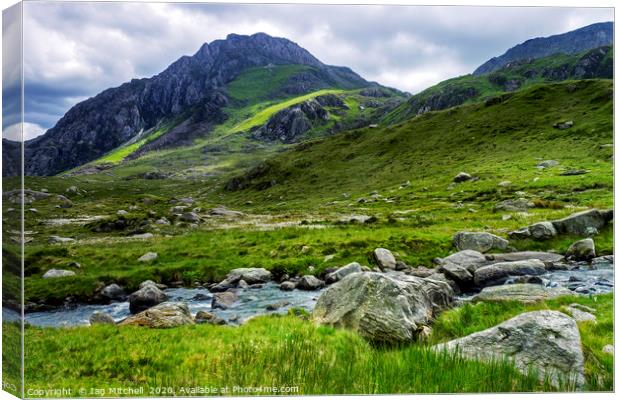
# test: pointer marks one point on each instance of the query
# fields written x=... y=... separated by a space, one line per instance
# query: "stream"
x=583 y=279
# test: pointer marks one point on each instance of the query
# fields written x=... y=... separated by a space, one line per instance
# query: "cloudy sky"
x=75 y=50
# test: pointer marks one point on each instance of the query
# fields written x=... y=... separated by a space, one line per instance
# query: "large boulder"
x=518 y=205
x=458 y=274
x=223 y=300
x=547 y=341
x=522 y=292
x=382 y=308
x=496 y=274
x=469 y=259
x=250 y=275
x=113 y=292
x=146 y=297
x=582 y=223
x=542 y=230
x=582 y=250
x=101 y=318
x=384 y=258
x=341 y=272
x=57 y=273
x=164 y=315
x=479 y=241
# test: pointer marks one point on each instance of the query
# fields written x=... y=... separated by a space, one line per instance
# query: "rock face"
x=250 y=275
x=101 y=318
x=589 y=37
x=341 y=272
x=102 y=123
x=384 y=258
x=582 y=250
x=164 y=315
x=496 y=274
x=479 y=241
x=548 y=341
x=57 y=273
x=580 y=223
x=382 y=308
x=523 y=292
x=146 y=297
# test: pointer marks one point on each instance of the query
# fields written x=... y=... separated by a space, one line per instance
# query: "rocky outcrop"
x=547 y=341
x=479 y=241
x=522 y=292
x=382 y=308
x=164 y=315
x=581 y=223
x=589 y=37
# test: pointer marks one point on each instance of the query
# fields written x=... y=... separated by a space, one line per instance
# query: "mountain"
x=588 y=37
x=594 y=63
x=496 y=140
x=190 y=95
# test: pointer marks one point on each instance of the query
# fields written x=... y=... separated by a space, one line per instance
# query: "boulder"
x=462 y=177
x=277 y=305
x=147 y=235
x=548 y=341
x=578 y=224
x=384 y=258
x=524 y=255
x=458 y=274
x=441 y=277
x=547 y=164
x=341 y=272
x=609 y=349
x=149 y=282
x=518 y=205
x=113 y=292
x=205 y=317
x=191 y=217
x=582 y=250
x=469 y=259
x=382 y=308
x=523 y=292
x=580 y=315
x=287 y=286
x=146 y=297
x=479 y=241
x=310 y=282
x=518 y=234
x=101 y=318
x=496 y=274
x=57 y=273
x=250 y=275
x=563 y=125
x=58 y=239
x=223 y=300
x=148 y=257
x=542 y=230
x=224 y=212
x=164 y=315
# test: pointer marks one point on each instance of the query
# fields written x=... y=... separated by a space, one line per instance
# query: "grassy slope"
x=428 y=151
x=488 y=85
x=278 y=351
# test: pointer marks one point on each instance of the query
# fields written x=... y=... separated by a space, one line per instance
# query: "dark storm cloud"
x=75 y=50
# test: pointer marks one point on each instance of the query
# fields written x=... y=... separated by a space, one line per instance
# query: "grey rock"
x=563 y=125
x=310 y=282
x=496 y=274
x=101 y=318
x=224 y=300
x=149 y=282
x=582 y=250
x=578 y=224
x=146 y=297
x=120 y=213
x=190 y=217
x=57 y=273
x=341 y=272
x=518 y=234
x=574 y=172
x=580 y=315
x=148 y=257
x=143 y=236
x=384 y=258
x=250 y=275
x=542 y=230
x=225 y=212
x=462 y=177
x=546 y=340
x=59 y=239
x=113 y=292
x=547 y=164
x=277 y=305
x=457 y=273
x=382 y=308
x=287 y=286
x=522 y=292
x=163 y=221
x=525 y=255
x=164 y=315
x=518 y=205
x=608 y=348
x=205 y=317
x=469 y=259
x=479 y=241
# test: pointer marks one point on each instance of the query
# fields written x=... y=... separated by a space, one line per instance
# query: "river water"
x=582 y=280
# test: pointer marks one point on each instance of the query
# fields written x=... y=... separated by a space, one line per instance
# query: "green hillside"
x=595 y=63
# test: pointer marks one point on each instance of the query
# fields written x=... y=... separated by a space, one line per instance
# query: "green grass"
x=263 y=83
x=118 y=155
x=263 y=115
